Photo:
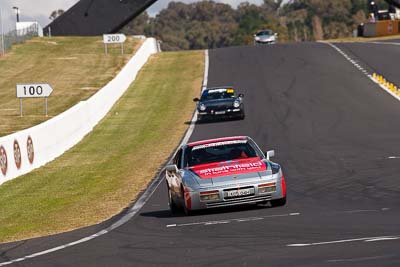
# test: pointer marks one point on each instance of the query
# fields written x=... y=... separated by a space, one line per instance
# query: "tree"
x=139 y=26
x=208 y=24
x=56 y=13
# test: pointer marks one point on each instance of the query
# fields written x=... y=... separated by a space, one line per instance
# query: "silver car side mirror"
x=270 y=154
x=172 y=168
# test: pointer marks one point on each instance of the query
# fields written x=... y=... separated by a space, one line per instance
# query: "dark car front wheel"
x=201 y=118
x=242 y=115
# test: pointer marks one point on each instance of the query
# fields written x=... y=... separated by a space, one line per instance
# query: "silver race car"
x=265 y=37
x=223 y=172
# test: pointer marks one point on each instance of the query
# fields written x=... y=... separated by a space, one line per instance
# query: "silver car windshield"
x=263 y=33
x=219 y=152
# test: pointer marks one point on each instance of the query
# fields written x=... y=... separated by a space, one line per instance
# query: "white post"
x=46 y=108
x=20 y=107
x=3 y=49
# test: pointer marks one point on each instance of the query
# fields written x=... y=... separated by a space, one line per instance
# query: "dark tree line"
x=208 y=24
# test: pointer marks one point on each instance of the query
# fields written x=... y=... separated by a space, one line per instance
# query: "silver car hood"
x=234 y=178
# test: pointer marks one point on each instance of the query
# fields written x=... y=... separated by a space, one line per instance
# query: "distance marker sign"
x=118 y=38
x=114 y=38
x=33 y=90
x=37 y=90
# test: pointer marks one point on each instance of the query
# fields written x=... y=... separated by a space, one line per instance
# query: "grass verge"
x=102 y=174
x=76 y=68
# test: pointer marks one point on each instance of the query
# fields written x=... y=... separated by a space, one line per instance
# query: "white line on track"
x=359 y=211
x=352 y=61
x=340 y=51
x=361 y=259
x=363 y=239
x=386 y=43
x=382 y=239
x=206 y=66
x=237 y=220
x=138 y=204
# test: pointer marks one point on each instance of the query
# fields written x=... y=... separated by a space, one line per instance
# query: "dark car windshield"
x=215 y=94
x=220 y=151
x=264 y=33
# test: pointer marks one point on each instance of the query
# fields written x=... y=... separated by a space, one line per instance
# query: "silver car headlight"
x=236 y=104
x=202 y=107
x=267 y=188
x=209 y=195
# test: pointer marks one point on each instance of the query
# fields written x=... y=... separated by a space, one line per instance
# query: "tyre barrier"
x=26 y=150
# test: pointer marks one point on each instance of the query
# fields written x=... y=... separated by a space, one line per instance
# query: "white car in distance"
x=265 y=37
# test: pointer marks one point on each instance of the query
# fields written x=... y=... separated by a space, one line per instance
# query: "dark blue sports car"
x=220 y=102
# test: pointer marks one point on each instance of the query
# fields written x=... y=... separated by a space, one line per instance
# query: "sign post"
x=114 y=39
x=33 y=91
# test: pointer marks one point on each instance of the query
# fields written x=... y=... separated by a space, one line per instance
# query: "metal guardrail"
x=18 y=36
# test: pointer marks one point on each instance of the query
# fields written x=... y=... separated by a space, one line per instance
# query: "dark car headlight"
x=236 y=104
x=202 y=107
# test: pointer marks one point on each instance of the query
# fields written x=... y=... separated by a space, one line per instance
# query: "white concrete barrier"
x=32 y=148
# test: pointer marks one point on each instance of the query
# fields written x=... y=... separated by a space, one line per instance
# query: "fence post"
x=3 y=49
x=16 y=36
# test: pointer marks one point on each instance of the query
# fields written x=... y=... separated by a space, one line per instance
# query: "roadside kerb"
x=52 y=138
x=391 y=88
x=376 y=78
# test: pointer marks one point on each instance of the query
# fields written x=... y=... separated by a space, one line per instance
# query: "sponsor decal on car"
x=220 y=90
x=193 y=144
x=230 y=142
x=241 y=166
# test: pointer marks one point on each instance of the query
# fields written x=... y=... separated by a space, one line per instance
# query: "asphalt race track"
x=337 y=136
x=379 y=57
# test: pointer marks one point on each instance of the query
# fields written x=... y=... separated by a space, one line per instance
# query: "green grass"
x=101 y=175
x=76 y=68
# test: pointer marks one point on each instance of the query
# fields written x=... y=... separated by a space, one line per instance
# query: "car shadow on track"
x=167 y=213
x=210 y=121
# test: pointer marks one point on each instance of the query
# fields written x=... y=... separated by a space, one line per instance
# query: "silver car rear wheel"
x=172 y=206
